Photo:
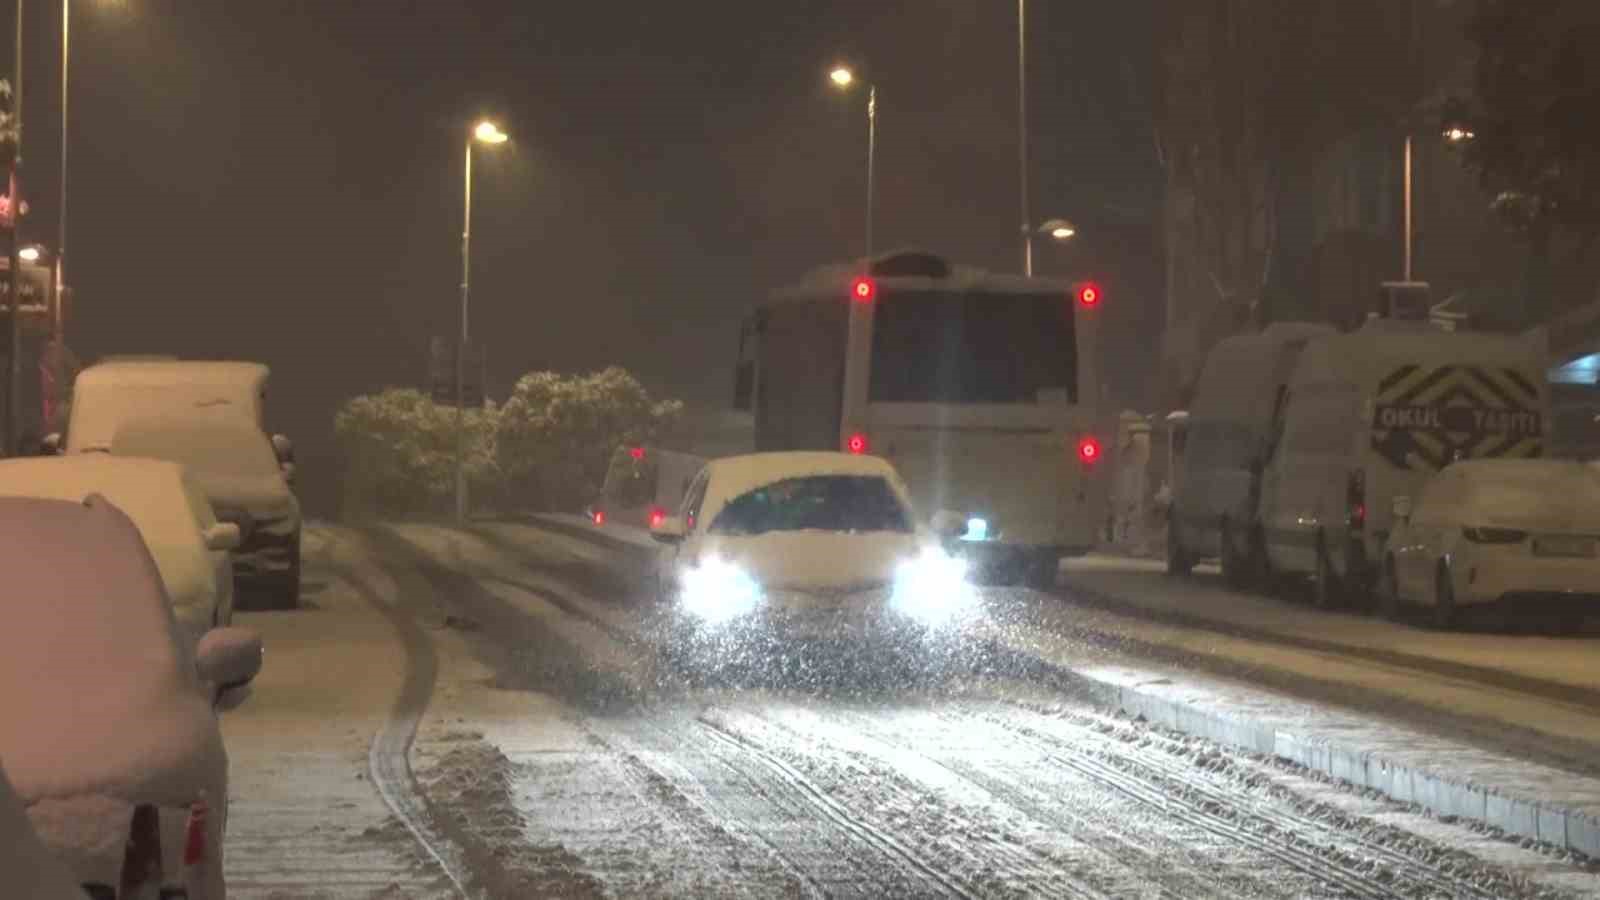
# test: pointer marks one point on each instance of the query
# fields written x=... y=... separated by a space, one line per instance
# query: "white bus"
x=971 y=383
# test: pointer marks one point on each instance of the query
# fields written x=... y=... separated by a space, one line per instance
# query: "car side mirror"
x=1402 y=509
x=239 y=519
x=284 y=448
x=287 y=469
x=948 y=524
x=223 y=536
x=51 y=445
x=669 y=530
x=229 y=657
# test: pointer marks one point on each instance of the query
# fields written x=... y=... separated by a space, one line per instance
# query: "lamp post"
x=488 y=133
x=1022 y=134
x=1453 y=133
x=844 y=79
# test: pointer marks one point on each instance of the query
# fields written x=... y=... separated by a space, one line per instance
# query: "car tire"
x=1326 y=593
x=1240 y=571
x=1390 y=605
x=285 y=587
x=1445 y=614
x=1179 y=565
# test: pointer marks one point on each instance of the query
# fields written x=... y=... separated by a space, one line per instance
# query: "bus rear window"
x=954 y=348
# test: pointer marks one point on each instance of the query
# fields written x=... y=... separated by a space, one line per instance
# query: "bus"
x=977 y=386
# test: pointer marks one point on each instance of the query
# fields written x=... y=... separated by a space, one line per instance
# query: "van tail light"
x=657 y=516
x=599 y=517
x=141 y=860
x=1089 y=451
x=1356 y=501
x=194 y=839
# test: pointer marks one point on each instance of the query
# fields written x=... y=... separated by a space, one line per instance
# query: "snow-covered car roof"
x=1529 y=493
x=30 y=869
x=97 y=692
x=168 y=372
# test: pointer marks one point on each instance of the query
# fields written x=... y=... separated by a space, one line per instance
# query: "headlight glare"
x=717 y=591
x=934 y=589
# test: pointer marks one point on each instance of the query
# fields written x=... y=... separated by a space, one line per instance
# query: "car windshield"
x=848 y=503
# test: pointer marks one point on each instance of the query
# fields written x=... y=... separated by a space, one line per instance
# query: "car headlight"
x=934 y=589
x=717 y=591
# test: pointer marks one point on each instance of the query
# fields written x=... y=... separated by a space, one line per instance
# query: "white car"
x=1522 y=534
x=235 y=463
x=191 y=548
x=806 y=544
x=27 y=868
x=109 y=733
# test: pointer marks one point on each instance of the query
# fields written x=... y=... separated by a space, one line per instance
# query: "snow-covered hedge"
x=548 y=447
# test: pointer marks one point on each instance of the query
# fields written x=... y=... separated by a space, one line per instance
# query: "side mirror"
x=51 y=445
x=1402 y=509
x=284 y=448
x=669 y=530
x=223 y=536
x=287 y=469
x=229 y=658
x=948 y=524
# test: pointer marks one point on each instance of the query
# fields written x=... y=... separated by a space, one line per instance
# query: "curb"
x=1440 y=794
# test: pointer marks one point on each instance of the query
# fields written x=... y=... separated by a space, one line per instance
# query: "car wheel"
x=285 y=587
x=1238 y=570
x=1390 y=606
x=1444 y=600
x=1326 y=595
x=1178 y=562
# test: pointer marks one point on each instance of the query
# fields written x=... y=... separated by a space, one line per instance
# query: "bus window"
x=946 y=347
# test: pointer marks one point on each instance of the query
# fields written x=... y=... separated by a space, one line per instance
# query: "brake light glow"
x=657 y=516
x=1356 y=500
x=1089 y=451
x=863 y=290
x=857 y=443
x=1089 y=294
x=637 y=453
x=599 y=517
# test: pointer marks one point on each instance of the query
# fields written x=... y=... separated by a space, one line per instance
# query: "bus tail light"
x=863 y=290
x=1089 y=451
x=857 y=443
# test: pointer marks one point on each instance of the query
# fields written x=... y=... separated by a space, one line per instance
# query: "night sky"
x=281 y=181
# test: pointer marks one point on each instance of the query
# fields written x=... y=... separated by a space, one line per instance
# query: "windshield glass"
x=213 y=449
x=848 y=503
x=946 y=347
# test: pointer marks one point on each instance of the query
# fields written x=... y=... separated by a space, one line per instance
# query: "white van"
x=643 y=486
x=108 y=394
x=1369 y=416
x=1212 y=514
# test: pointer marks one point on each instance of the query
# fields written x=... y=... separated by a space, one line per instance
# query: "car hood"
x=816 y=560
x=265 y=497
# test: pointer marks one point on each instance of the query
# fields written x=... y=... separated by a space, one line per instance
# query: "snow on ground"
x=305 y=821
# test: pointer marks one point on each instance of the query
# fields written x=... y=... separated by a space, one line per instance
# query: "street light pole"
x=1022 y=133
x=461 y=346
x=872 y=161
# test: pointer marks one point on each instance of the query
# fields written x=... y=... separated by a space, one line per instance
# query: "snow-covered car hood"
x=265 y=497
x=816 y=560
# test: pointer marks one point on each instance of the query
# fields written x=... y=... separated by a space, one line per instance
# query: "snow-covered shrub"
x=400 y=446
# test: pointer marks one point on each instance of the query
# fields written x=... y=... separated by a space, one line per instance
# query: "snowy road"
x=561 y=754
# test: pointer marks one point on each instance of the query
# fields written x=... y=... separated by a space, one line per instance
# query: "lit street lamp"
x=1458 y=134
x=844 y=79
x=1059 y=230
x=1454 y=133
x=486 y=132
x=29 y=254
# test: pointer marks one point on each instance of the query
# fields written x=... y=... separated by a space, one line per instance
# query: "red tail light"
x=194 y=841
x=1356 y=500
x=1088 y=451
x=857 y=444
x=863 y=290
x=141 y=861
x=599 y=517
x=637 y=453
x=657 y=516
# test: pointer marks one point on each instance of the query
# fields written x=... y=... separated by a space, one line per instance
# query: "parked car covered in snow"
x=1522 y=534
x=107 y=722
x=191 y=547
x=809 y=543
x=233 y=462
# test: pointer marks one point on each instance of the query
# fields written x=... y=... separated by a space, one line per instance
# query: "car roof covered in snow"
x=97 y=692
x=1534 y=494
x=734 y=476
x=169 y=371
